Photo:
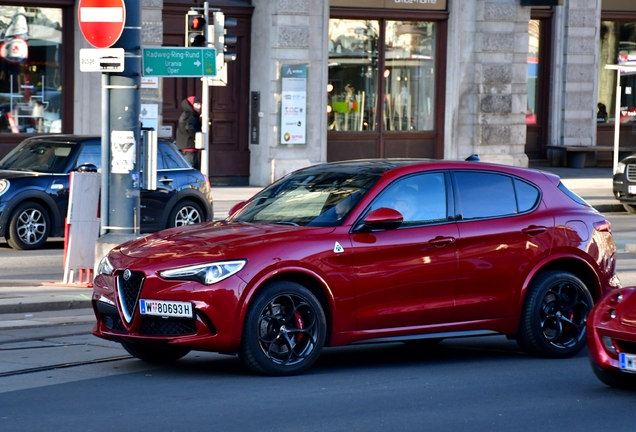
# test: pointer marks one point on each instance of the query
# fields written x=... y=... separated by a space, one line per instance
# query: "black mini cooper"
x=34 y=182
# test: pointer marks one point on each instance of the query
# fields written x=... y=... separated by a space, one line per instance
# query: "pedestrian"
x=189 y=125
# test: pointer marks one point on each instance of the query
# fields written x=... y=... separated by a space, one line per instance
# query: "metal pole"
x=105 y=166
x=205 y=102
x=617 y=119
x=125 y=104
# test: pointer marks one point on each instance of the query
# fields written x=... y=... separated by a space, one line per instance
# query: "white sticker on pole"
x=123 y=150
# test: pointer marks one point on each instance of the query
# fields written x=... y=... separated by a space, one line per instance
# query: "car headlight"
x=207 y=274
x=620 y=168
x=4 y=185
x=105 y=267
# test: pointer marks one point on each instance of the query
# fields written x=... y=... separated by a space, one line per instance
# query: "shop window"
x=617 y=46
x=401 y=73
x=534 y=32
x=30 y=69
x=409 y=76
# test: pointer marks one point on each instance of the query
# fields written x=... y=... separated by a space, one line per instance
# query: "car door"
x=504 y=230
x=406 y=276
x=171 y=169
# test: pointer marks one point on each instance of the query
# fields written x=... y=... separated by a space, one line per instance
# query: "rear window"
x=487 y=195
x=574 y=197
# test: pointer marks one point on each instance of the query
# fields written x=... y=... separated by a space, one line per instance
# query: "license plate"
x=627 y=362
x=631 y=189
x=166 y=308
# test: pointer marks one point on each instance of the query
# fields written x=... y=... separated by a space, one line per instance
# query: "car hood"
x=213 y=240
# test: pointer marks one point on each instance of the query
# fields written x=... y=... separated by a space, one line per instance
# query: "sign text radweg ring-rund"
x=101 y=21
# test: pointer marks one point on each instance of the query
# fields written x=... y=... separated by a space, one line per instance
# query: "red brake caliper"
x=300 y=324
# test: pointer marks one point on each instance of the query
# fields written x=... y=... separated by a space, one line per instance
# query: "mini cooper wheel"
x=185 y=213
x=28 y=227
x=153 y=354
x=284 y=330
x=554 y=315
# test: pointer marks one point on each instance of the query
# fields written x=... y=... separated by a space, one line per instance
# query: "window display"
x=617 y=46
x=406 y=82
x=30 y=69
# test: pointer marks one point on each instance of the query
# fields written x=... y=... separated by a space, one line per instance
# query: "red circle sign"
x=101 y=21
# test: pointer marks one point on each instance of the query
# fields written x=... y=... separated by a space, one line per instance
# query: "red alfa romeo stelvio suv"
x=365 y=251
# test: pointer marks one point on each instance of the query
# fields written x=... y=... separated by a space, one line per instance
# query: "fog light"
x=609 y=344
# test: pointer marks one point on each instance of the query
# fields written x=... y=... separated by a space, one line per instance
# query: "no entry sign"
x=101 y=21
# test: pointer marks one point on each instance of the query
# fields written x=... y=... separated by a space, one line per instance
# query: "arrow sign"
x=101 y=21
x=179 y=62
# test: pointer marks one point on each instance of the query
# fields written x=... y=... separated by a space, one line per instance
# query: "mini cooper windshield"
x=308 y=199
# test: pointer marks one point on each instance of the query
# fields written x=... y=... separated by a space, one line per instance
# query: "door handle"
x=166 y=180
x=534 y=230
x=440 y=241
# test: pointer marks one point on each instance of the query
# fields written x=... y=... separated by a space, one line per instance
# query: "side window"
x=483 y=195
x=90 y=154
x=420 y=198
x=527 y=195
x=169 y=158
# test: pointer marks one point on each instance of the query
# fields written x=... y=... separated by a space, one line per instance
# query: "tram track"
x=63 y=366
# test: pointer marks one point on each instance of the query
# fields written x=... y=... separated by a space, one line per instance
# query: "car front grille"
x=630 y=172
x=129 y=290
x=167 y=327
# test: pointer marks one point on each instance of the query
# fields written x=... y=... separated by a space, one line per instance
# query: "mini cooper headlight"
x=4 y=185
x=620 y=168
x=105 y=267
x=207 y=274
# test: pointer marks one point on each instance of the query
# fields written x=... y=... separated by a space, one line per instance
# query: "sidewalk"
x=24 y=304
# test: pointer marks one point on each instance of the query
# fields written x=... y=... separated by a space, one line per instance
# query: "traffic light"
x=222 y=39
x=196 y=30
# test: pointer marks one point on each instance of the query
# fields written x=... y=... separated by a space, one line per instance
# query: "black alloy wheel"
x=28 y=227
x=554 y=315
x=284 y=330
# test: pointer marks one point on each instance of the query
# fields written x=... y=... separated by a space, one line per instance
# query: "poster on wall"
x=293 y=127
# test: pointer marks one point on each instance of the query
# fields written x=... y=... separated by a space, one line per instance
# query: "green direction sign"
x=179 y=62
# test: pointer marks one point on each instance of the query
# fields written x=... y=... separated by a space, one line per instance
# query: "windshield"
x=308 y=199
x=40 y=156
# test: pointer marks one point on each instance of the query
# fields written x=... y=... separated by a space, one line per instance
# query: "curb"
x=45 y=306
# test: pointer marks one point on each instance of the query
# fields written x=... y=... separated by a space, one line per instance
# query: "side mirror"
x=381 y=219
x=88 y=167
x=237 y=207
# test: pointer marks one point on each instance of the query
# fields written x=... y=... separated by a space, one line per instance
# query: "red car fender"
x=541 y=265
x=268 y=274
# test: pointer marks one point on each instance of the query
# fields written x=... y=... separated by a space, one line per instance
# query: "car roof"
x=382 y=166
x=72 y=138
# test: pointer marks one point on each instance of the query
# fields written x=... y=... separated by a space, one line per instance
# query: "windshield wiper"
x=286 y=223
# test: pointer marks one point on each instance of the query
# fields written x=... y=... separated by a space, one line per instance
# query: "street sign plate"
x=179 y=62
x=101 y=60
x=101 y=21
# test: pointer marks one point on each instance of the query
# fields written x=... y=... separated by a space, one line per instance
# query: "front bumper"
x=215 y=326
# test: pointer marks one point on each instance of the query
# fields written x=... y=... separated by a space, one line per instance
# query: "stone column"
x=488 y=50
x=288 y=32
x=574 y=74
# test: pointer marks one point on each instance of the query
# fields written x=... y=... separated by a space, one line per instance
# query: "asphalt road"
x=478 y=384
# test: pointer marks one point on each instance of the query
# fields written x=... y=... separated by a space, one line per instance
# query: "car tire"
x=554 y=315
x=614 y=378
x=185 y=213
x=29 y=226
x=284 y=330
x=629 y=208
x=153 y=354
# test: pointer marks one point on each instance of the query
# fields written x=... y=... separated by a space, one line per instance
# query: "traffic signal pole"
x=205 y=103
